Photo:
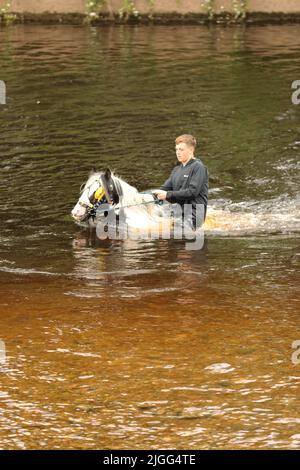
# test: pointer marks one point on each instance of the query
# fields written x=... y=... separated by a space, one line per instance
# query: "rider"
x=188 y=182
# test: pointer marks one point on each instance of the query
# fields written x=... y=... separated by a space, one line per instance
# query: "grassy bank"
x=164 y=19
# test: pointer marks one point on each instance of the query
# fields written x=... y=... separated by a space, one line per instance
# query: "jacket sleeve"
x=196 y=182
x=168 y=185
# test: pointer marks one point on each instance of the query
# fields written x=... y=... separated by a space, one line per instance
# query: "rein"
x=155 y=201
x=92 y=211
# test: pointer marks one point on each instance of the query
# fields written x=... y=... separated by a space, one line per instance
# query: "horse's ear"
x=93 y=170
x=107 y=173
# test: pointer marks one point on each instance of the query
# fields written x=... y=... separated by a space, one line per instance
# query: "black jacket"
x=188 y=185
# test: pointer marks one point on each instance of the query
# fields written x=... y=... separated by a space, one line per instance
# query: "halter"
x=85 y=205
x=99 y=194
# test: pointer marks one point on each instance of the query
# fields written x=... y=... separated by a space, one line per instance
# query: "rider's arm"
x=168 y=184
x=198 y=178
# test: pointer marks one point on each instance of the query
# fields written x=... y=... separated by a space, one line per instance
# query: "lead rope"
x=93 y=210
x=155 y=201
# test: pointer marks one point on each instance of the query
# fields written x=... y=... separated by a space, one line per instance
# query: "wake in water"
x=276 y=216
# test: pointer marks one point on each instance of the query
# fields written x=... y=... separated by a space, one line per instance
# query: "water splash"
x=277 y=216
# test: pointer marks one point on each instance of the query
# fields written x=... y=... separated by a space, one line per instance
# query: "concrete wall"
x=40 y=6
x=160 y=6
x=273 y=6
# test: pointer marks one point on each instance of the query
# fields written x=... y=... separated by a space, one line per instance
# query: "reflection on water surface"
x=144 y=344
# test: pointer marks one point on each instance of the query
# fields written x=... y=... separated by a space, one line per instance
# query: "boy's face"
x=184 y=152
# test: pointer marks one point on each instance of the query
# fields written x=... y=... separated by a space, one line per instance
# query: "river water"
x=144 y=344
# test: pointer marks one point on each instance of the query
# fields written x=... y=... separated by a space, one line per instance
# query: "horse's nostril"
x=75 y=213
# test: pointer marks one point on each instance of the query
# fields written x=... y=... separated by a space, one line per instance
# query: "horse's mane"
x=128 y=194
x=139 y=213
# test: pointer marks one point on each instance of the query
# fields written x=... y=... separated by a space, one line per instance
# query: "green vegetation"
x=210 y=7
x=128 y=9
x=100 y=9
x=239 y=8
x=95 y=7
x=5 y=16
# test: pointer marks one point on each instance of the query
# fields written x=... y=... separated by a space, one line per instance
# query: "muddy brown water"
x=143 y=344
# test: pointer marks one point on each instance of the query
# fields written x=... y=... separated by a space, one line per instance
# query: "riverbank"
x=47 y=18
x=150 y=11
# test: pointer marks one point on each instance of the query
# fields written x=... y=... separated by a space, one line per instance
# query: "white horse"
x=104 y=191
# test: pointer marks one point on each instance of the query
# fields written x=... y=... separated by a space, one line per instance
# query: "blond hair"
x=187 y=139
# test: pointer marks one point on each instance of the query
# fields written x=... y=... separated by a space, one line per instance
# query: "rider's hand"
x=162 y=195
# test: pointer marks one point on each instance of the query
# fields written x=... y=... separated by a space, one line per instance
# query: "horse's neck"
x=130 y=194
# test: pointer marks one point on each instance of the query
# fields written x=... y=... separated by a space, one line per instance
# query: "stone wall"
x=160 y=6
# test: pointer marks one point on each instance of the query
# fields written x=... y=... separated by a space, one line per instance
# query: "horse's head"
x=91 y=193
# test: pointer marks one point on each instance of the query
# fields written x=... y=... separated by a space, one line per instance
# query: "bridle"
x=92 y=207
